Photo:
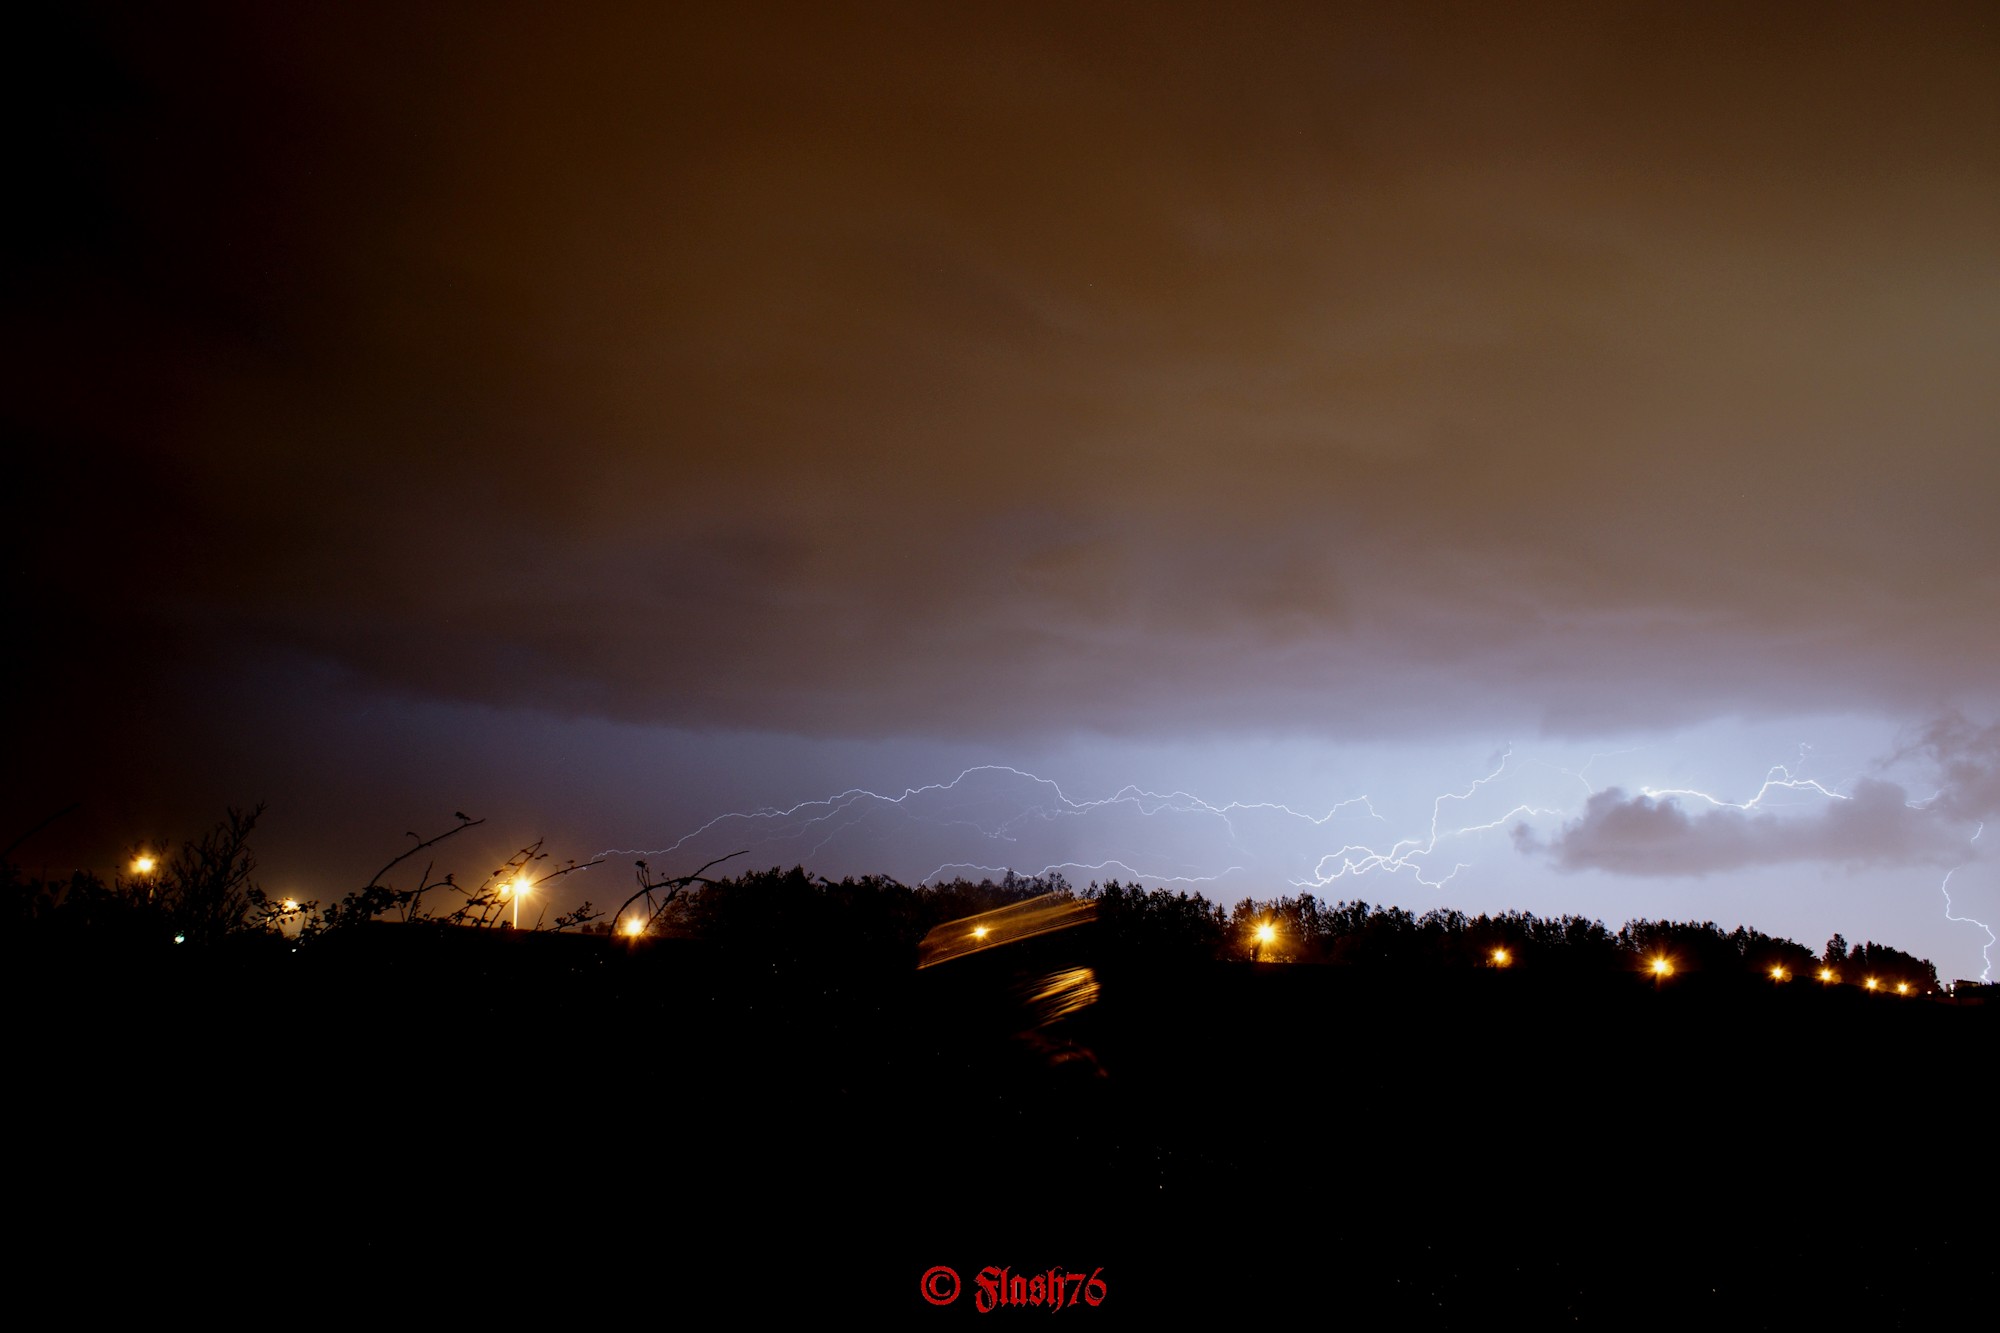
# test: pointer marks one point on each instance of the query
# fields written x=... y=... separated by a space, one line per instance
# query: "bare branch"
x=376 y=879
x=572 y=866
x=15 y=845
x=673 y=885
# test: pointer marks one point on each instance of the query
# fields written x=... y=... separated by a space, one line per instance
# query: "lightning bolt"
x=1002 y=818
x=1779 y=778
x=1357 y=860
x=810 y=825
x=1986 y=953
x=834 y=814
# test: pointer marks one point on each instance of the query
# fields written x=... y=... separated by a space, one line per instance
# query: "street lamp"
x=1501 y=958
x=1265 y=934
x=1778 y=974
x=517 y=889
x=145 y=865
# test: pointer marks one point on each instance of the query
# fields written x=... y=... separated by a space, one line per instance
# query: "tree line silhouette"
x=1307 y=929
x=204 y=893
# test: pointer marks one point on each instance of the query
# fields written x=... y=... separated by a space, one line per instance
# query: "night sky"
x=602 y=420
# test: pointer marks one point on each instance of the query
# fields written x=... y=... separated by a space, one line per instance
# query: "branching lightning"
x=1359 y=860
x=1986 y=953
x=1779 y=778
x=1008 y=814
x=832 y=815
x=810 y=825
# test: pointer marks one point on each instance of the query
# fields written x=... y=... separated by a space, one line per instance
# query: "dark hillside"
x=1234 y=1136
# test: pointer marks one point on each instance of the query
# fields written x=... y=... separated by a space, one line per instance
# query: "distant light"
x=1826 y=974
x=1500 y=958
x=1662 y=968
x=180 y=939
x=979 y=932
x=1777 y=974
x=291 y=904
x=1871 y=983
x=143 y=864
x=1266 y=933
x=635 y=927
x=1902 y=988
x=521 y=885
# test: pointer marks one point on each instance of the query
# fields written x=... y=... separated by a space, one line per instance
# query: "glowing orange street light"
x=1826 y=974
x=1501 y=958
x=1902 y=988
x=979 y=932
x=1778 y=974
x=143 y=864
x=634 y=927
x=1662 y=968
x=1871 y=983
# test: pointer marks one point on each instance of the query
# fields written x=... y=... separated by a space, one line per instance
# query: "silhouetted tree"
x=1890 y=968
x=1161 y=924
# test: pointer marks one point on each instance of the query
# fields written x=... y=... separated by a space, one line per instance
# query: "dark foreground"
x=407 y=1126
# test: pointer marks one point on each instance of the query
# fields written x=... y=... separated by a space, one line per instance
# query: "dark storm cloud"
x=874 y=371
x=1967 y=759
x=1877 y=823
x=1643 y=835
